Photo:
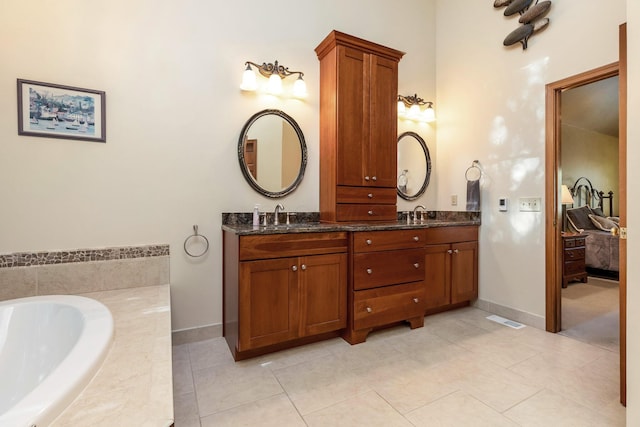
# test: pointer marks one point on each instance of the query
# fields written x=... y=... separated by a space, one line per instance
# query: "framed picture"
x=56 y=111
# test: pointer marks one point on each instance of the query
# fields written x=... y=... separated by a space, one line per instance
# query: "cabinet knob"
x=370 y=196
x=416 y=239
x=368 y=241
x=294 y=268
x=375 y=178
x=416 y=300
x=369 y=310
x=303 y=267
x=416 y=265
x=449 y=251
x=455 y=251
x=369 y=271
x=370 y=212
x=366 y=178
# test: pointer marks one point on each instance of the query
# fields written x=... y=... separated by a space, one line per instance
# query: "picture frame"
x=57 y=111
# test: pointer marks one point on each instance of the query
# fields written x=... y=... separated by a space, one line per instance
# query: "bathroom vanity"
x=292 y=284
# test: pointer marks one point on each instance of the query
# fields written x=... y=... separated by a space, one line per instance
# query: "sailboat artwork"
x=57 y=111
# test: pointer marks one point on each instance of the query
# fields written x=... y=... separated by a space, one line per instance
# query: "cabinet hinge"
x=623 y=233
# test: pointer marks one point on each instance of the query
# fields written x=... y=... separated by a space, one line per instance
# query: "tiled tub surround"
x=24 y=274
x=134 y=386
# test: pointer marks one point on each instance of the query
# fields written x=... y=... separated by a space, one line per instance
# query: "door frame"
x=553 y=181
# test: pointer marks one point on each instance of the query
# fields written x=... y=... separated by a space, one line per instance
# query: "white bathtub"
x=50 y=348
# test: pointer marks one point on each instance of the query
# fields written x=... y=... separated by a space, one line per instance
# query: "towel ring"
x=475 y=166
x=194 y=236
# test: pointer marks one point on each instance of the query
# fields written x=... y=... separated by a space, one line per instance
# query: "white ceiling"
x=593 y=106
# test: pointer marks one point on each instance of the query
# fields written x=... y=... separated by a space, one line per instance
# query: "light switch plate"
x=503 y=204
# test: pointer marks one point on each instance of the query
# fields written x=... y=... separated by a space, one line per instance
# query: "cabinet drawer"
x=389 y=304
x=439 y=235
x=366 y=195
x=574 y=254
x=375 y=269
x=365 y=212
x=291 y=244
x=370 y=241
x=574 y=242
x=573 y=267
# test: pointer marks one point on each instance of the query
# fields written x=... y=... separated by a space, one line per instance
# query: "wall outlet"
x=530 y=204
x=454 y=200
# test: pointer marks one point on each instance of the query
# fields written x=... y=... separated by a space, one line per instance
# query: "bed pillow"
x=579 y=218
x=615 y=219
x=602 y=223
x=597 y=211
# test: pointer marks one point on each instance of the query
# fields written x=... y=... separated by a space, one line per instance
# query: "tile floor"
x=458 y=370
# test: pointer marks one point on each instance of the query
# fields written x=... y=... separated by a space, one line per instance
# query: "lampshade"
x=567 y=199
x=429 y=114
x=402 y=109
x=274 y=86
x=299 y=88
x=249 y=82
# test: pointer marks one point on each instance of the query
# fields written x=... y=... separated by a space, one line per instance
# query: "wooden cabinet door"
x=383 y=132
x=464 y=272
x=268 y=302
x=352 y=117
x=323 y=293
x=437 y=275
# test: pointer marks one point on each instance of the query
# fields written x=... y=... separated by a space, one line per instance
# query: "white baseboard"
x=186 y=336
x=529 y=319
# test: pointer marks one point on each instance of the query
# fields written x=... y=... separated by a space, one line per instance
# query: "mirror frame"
x=243 y=165
x=427 y=157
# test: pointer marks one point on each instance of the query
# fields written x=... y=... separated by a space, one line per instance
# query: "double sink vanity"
x=357 y=265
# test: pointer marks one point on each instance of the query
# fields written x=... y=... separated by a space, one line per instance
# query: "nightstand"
x=573 y=250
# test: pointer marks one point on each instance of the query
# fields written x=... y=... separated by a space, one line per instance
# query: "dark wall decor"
x=57 y=111
x=531 y=17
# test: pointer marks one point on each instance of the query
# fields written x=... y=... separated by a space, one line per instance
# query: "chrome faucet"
x=279 y=208
x=415 y=213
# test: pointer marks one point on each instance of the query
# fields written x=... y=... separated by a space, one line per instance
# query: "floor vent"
x=506 y=322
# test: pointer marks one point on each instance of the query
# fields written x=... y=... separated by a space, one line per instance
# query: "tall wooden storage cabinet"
x=358 y=129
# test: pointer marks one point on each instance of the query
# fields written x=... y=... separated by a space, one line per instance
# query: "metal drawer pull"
x=370 y=212
x=416 y=300
x=449 y=251
x=369 y=271
x=370 y=195
x=294 y=268
x=416 y=238
x=368 y=241
x=416 y=265
x=369 y=310
x=455 y=251
x=375 y=178
x=304 y=267
x=366 y=178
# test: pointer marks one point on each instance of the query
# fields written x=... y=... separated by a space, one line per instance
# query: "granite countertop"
x=240 y=223
x=134 y=385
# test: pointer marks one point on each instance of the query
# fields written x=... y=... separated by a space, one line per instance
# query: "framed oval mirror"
x=414 y=166
x=272 y=153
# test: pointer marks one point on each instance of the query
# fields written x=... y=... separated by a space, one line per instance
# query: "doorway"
x=553 y=192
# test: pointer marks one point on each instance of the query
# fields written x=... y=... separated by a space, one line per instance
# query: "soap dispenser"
x=256 y=215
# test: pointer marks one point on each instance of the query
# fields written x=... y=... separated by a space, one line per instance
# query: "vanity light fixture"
x=275 y=73
x=411 y=108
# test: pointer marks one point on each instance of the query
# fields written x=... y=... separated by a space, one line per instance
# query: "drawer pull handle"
x=368 y=241
x=370 y=196
x=369 y=310
x=375 y=178
x=416 y=239
x=294 y=268
x=416 y=300
x=369 y=271
x=366 y=178
x=449 y=251
x=303 y=267
x=370 y=212
x=416 y=265
x=455 y=251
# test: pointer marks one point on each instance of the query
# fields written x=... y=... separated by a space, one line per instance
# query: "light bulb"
x=299 y=88
x=274 y=86
x=249 y=82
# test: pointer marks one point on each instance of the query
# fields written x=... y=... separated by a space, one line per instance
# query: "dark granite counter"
x=306 y=222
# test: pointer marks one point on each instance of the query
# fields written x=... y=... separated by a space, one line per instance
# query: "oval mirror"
x=272 y=153
x=414 y=166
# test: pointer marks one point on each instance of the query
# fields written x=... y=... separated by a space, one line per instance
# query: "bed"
x=601 y=229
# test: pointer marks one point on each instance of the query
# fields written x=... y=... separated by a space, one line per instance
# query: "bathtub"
x=50 y=348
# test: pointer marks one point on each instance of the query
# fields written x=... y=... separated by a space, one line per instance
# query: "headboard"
x=584 y=193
